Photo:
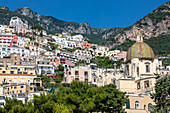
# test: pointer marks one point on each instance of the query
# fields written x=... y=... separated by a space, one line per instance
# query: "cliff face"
x=154 y=24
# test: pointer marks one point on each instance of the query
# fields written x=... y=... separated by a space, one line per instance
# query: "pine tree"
x=162 y=94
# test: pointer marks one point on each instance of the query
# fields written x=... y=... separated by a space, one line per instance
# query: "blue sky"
x=98 y=13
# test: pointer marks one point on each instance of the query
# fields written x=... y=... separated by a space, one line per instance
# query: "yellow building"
x=18 y=79
x=18 y=69
x=17 y=88
x=9 y=29
x=139 y=104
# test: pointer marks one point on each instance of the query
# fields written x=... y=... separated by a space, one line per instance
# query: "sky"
x=98 y=13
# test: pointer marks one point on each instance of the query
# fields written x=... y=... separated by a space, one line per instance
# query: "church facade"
x=139 y=77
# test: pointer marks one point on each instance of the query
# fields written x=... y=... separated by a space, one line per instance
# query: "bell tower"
x=139 y=37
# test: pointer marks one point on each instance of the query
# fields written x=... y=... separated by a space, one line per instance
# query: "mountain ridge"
x=154 y=24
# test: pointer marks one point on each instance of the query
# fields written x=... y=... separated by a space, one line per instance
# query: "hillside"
x=152 y=25
x=159 y=44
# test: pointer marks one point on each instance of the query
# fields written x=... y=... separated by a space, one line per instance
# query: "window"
x=136 y=105
x=22 y=86
x=19 y=72
x=76 y=73
x=94 y=79
x=4 y=80
x=24 y=72
x=147 y=67
x=146 y=83
x=85 y=73
x=15 y=58
x=138 y=71
x=20 y=91
x=11 y=72
x=13 y=67
x=8 y=63
x=1 y=63
x=3 y=72
x=15 y=80
x=15 y=87
x=138 y=85
x=22 y=80
x=128 y=105
x=2 y=97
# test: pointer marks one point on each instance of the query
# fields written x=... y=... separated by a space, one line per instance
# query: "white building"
x=16 y=21
x=2 y=29
x=70 y=44
x=77 y=38
x=7 y=51
x=43 y=66
x=58 y=39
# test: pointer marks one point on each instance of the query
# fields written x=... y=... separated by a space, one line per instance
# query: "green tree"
x=12 y=102
x=99 y=54
x=94 y=48
x=161 y=95
x=60 y=108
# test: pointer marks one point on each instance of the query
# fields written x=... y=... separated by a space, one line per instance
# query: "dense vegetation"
x=105 y=62
x=166 y=61
x=160 y=45
x=161 y=95
x=96 y=39
x=78 y=97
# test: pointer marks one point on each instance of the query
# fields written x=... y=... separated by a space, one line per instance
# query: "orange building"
x=85 y=44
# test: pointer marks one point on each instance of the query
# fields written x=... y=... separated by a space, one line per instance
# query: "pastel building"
x=139 y=77
x=122 y=55
x=21 y=29
x=9 y=29
x=85 y=44
x=7 y=51
x=8 y=40
x=101 y=51
x=82 y=73
x=44 y=67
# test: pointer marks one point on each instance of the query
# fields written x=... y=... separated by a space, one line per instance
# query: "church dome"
x=140 y=50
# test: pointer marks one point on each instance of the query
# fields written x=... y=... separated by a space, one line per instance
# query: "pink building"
x=69 y=62
x=21 y=29
x=82 y=73
x=122 y=55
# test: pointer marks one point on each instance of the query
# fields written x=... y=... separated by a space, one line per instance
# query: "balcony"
x=76 y=76
x=86 y=76
x=148 y=89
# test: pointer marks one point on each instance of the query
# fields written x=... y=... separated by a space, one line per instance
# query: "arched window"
x=136 y=105
x=42 y=71
x=150 y=107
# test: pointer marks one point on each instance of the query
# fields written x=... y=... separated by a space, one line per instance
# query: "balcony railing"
x=86 y=76
x=76 y=76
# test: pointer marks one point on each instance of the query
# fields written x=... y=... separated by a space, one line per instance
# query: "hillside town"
x=33 y=62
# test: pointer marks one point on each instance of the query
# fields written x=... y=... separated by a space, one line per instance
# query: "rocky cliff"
x=154 y=24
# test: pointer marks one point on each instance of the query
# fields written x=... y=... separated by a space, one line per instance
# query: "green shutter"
x=128 y=105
